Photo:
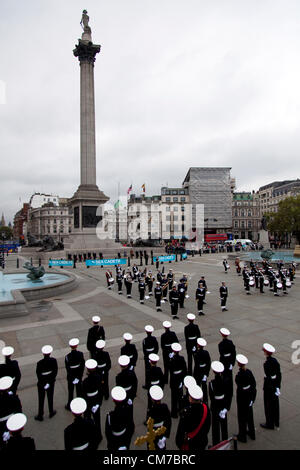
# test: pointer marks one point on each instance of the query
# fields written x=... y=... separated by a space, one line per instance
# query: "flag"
x=117 y=204
x=143 y=188
x=129 y=189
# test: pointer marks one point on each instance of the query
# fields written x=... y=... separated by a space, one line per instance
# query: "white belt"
x=202 y=365
x=152 y=349
x=130 y=357
x=193 y=337
x=127 y=388
x=219 y=397
x=84 y=446
x=119 y=433
x=273 y=376
x=74 y=367
x=168 y=345
x=157 y=425
x=155 y=383
x=177 y=371
x=6 y=417
x=47 y=373
x=246 y=388
x=102 y=365
x=92 y=394
x=226 y=355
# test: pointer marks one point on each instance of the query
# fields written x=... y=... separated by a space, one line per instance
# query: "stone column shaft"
x=87 y=124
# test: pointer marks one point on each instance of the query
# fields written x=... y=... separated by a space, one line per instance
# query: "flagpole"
x=118 y=216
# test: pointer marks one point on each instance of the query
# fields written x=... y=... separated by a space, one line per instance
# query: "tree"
x=6 y=233
x=287 y=218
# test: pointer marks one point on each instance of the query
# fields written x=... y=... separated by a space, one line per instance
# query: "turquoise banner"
x=60 y=262
x=105 y=262
x=164 y=258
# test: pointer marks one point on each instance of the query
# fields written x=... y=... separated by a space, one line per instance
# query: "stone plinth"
x=264 y=239
x=297 y=251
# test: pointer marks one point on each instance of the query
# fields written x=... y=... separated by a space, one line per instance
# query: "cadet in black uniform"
x=204 y=284
x=129 y=350
x=142 y=288
x=223 y=296
x=218 y=404
x=166 y=340
x=158 y=296
x=155 y=375
x=245 y=397
x=272 y=384
x=149 y=282
x=128 y=380
x=119 y=424
x=160 y=414
x=202 y=362
x=200 y=295
x=188 y=381
x=191 y=333
x=18 y=443
x=164 y=284
x=150 y=345
x=10 y=368
x=178 y=371
x=227 y=357
x=46 y=371
x=119 y=279
x=128 y=284
x=104 y=365
x=9 y=404
x=226 y=265
x=74 y=363
x=135 y=270
x=170 y=277
x=181 y=292
x=95 y=333
x=194 y=423
x=82 y=434
x=92 y=392
x=174 y=300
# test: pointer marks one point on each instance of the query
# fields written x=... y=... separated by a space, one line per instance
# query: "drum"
x=111 y=279
x=288 y=284
x=251 y=283
x=279 y=285
x=187 y=296
x=266 y=282
x=147 y=297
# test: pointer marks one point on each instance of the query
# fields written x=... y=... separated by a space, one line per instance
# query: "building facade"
x=271 y=194
x=39 y=199
x=20 y=222
x=246 y=219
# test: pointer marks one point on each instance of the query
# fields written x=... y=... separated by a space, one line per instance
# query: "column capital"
x=86 y=51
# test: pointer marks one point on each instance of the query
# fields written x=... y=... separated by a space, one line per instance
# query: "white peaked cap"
x=269 y=348
x=74 y=342
x=190 y=316
x=176 y=347
x=224 y=331
x=157 y=282
x=96 y=319
x=5 y=382
x=153 y=357
x=149 y=328
x=195 y=392
x=217 y=366
x=118 y=394
x=91 y=364
x=47 y=349
x=127 y=336
x=16 y=422
x=156 y=392
x=78 y=406
x=124 y=360
x=201 y=342
x=7 y=351
x=100 y=344
x=189 y=381
x=241 y=359
x=167 y=324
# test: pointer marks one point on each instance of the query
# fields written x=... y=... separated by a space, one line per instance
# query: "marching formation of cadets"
x=200 y=403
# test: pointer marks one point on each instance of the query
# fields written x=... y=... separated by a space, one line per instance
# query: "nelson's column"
x=87 y=199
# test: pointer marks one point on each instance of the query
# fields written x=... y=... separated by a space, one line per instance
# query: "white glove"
x=204 y=378
x=129 y=401
x=194 y=349
x=277 y=393
x=180 y=385
x=230 y=367
x=10 y=393
x=131 y=368
x=46 y=387
x=122 y=448
x=251 y=403
x=222 y=413
x=75 y=381
x=6 y=436
x=162 y=443
x=95 y=408
x=171 y=355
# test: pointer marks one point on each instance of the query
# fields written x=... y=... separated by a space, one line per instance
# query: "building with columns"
x=246 y=219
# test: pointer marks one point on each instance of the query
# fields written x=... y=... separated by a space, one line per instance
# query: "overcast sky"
x=177 y=83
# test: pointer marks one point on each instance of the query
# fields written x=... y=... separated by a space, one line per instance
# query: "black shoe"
x=174 y=415
x=252 y=436
x=241 y=439
x=265 y=426
x=39 y=418
x=144 y=386
x=53 y=413
x=226 y=309
x=67 y=407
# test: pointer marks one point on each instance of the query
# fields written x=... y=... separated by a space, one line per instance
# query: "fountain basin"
x=16 y=289
x=286 y=256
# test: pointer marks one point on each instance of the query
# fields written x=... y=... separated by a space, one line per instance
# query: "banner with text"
x=60 y=262
x=164 y=258
x=105 y=262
